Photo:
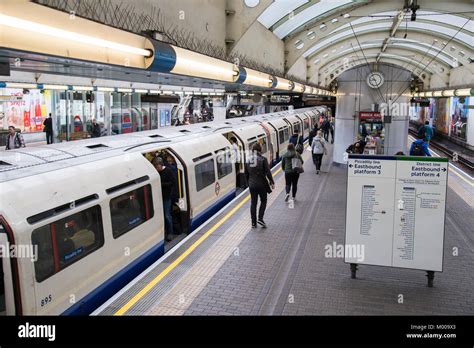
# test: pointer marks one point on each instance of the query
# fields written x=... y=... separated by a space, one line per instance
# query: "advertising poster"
x=441 y=118
x=162 y=118
x=459 y=117
x=26 y=111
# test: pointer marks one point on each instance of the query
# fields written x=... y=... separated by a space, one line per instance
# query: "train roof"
x=24 y=162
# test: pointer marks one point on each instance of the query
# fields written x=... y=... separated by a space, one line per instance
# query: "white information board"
x=395 y=211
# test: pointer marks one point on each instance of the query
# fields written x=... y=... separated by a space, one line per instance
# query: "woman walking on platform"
x=318 y=149
x=291 y=164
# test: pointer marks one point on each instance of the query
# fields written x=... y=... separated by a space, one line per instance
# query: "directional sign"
x=396 y=209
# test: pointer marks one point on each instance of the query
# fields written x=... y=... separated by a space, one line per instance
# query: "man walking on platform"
x=260 y=181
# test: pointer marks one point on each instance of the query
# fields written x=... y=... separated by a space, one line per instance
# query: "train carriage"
x=94 y=208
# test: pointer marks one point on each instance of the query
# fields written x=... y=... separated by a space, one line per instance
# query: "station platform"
x=228 y=268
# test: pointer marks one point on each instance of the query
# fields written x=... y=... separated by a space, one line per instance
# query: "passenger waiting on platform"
x=291 y=174
x=236 y=157
x=260 y=181
x=425 y=131
x=331 y=130
x=318 y=149
x=297 y=140
x=325 y=127
x=356 y=148
x=168 y=184
x=363 y=130
x=48 y=129
x=14 y=139
x=420 y=147
x=95 y=129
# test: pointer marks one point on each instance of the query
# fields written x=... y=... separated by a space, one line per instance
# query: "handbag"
x=297 y=165
x=260 y=171
x=299 y=147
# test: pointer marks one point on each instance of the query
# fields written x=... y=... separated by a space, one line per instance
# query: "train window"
x=306 y=123
x=63 y=242
x=263 y=143
x=205 y=174
x=224 y=164
x=130 y=210
x=296 y=127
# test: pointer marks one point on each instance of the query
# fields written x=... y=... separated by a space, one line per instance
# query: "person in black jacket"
x=259 y=178
x=48 y=129
x=313 y=134
x=325 y=127
x=168 y=185
x=95 y=129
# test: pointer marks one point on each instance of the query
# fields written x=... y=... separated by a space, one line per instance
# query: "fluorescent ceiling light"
x=20 y=85
x=105 y=89
x=464 y=92
x=141 y=90
x=22 y=24
x=56 y=87
x=82 y=88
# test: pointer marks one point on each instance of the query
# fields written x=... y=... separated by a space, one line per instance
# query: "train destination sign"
x=396 y=210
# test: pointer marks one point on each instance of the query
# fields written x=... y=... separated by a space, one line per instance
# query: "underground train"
x=90 y=211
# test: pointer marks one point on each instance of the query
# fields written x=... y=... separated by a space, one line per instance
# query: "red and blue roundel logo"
x=217 y=188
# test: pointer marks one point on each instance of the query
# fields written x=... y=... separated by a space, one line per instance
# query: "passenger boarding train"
x=93 y=208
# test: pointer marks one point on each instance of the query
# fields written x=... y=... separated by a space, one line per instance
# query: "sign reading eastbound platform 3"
x=396 y=210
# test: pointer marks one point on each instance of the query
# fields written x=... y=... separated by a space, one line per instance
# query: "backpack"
x=417 y=150
x=421 y=132
x=297 y=165
x=299 y=148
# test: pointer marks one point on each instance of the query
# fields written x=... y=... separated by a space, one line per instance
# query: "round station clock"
x=375 y=80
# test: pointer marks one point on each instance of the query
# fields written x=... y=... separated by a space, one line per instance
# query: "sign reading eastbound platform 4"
x=396 y=210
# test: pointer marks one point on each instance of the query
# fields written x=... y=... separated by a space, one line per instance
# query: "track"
x=452 y=155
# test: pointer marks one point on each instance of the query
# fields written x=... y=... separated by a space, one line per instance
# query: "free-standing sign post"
x=395 y=212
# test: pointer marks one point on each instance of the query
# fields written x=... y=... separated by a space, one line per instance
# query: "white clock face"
x=375 y=80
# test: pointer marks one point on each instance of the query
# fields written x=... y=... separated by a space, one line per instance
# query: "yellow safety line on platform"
x=181 y=257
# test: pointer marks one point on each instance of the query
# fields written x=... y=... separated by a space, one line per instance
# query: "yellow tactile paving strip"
x=183 y=293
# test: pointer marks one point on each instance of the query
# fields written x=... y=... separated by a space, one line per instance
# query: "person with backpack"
x=260 y=182
x=420 y=147
x=318 y=149
x=297 y=140
x=14 y=139
x=292 y=165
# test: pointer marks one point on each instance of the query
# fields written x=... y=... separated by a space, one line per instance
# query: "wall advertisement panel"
x=24 y=109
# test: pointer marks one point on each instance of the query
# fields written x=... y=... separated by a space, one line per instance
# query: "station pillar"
x=354 y=95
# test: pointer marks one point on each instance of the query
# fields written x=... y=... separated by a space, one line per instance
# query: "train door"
x=269 y=143
x=239 y=158
x=7 y=297
x=180 y=208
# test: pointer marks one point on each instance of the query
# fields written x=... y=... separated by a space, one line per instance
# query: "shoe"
x=293 y=199
x=287 y=197
x=262 y=223
x=254 y=225
x=317 y=172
